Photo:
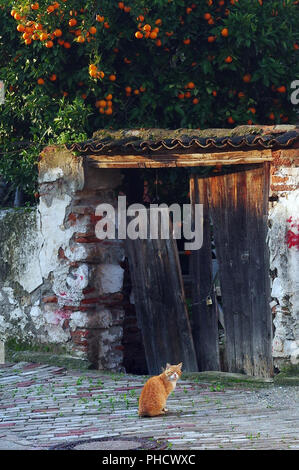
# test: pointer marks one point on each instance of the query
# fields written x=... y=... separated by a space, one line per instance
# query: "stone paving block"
x=199 y=418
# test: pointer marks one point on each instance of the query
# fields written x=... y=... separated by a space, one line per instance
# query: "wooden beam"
x=179 y=160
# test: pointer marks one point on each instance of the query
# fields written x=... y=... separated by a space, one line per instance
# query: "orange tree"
x=73 y=66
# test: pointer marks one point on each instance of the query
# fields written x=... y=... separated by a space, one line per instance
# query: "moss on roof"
x=161 y=134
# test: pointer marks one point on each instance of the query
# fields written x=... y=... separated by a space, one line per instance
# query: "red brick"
x=283 y=187
x=79 y=337
x=87 y=240
x=93 y=300
x=95 y=218
x=72 y=217
x=50 y=300
x=279 y=179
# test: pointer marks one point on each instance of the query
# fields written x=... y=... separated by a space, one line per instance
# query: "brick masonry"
x=283 y=240
x=66 y=288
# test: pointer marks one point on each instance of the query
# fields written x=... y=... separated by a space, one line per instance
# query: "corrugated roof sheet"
x=164 y=141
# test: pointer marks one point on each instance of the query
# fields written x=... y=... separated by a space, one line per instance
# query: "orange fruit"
x=128 y=89
x=272 y=116
x=80 y=39
x=153 y=35
x=50 y=9
x=20 y=28
x=281 y=89
x=207 y=16
x=121 y=5
x=241 y=94
x=211 y=38
x=247 y=78
x=49 y=44
x=112 y=78
x=127 y=9
x=109 y=97
x=57 y=33
x=41 y=81
x=72 y=22
x=106 y=25
x=158 y=22
x=224 y=32
x=195 y=101
x=28 y=41
x=100 y=18
x=92 y=30
x=214 y=93
x=67 y=45
x=159 y=43
x=108 y=111
x=186 y=41
x=43 y=37
x=228 y=59
x=191 y=85
x=147 y=27
x=138 y=35
x=252 y=110
x=109 y=103
x=34 y=6
x=53 y=77
x=140 y=18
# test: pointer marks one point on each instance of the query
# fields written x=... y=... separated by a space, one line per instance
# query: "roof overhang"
x=162 y=148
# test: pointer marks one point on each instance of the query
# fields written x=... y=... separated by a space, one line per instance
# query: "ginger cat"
x=152 y=401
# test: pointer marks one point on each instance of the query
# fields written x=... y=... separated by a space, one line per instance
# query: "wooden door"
x=238 y=205
x=204 y=318
x=160 y=303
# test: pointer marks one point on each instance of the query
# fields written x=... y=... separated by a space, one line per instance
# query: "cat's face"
x=173 y=373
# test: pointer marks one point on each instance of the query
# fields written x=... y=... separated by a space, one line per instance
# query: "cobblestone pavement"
x=42 y=405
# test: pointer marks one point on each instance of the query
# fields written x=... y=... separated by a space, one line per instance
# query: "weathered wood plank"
x=238 y=204
x=179 y=159
x=160 y=303
x=204 y=320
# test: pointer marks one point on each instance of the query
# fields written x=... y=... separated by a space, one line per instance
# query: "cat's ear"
x=180 y=365
x=167 y=366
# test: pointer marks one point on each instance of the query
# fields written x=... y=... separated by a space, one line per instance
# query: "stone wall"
x=283 y=241
x=62 y=286
x=59 y=284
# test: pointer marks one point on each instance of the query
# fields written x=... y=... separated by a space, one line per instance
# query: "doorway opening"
x=225 y=323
